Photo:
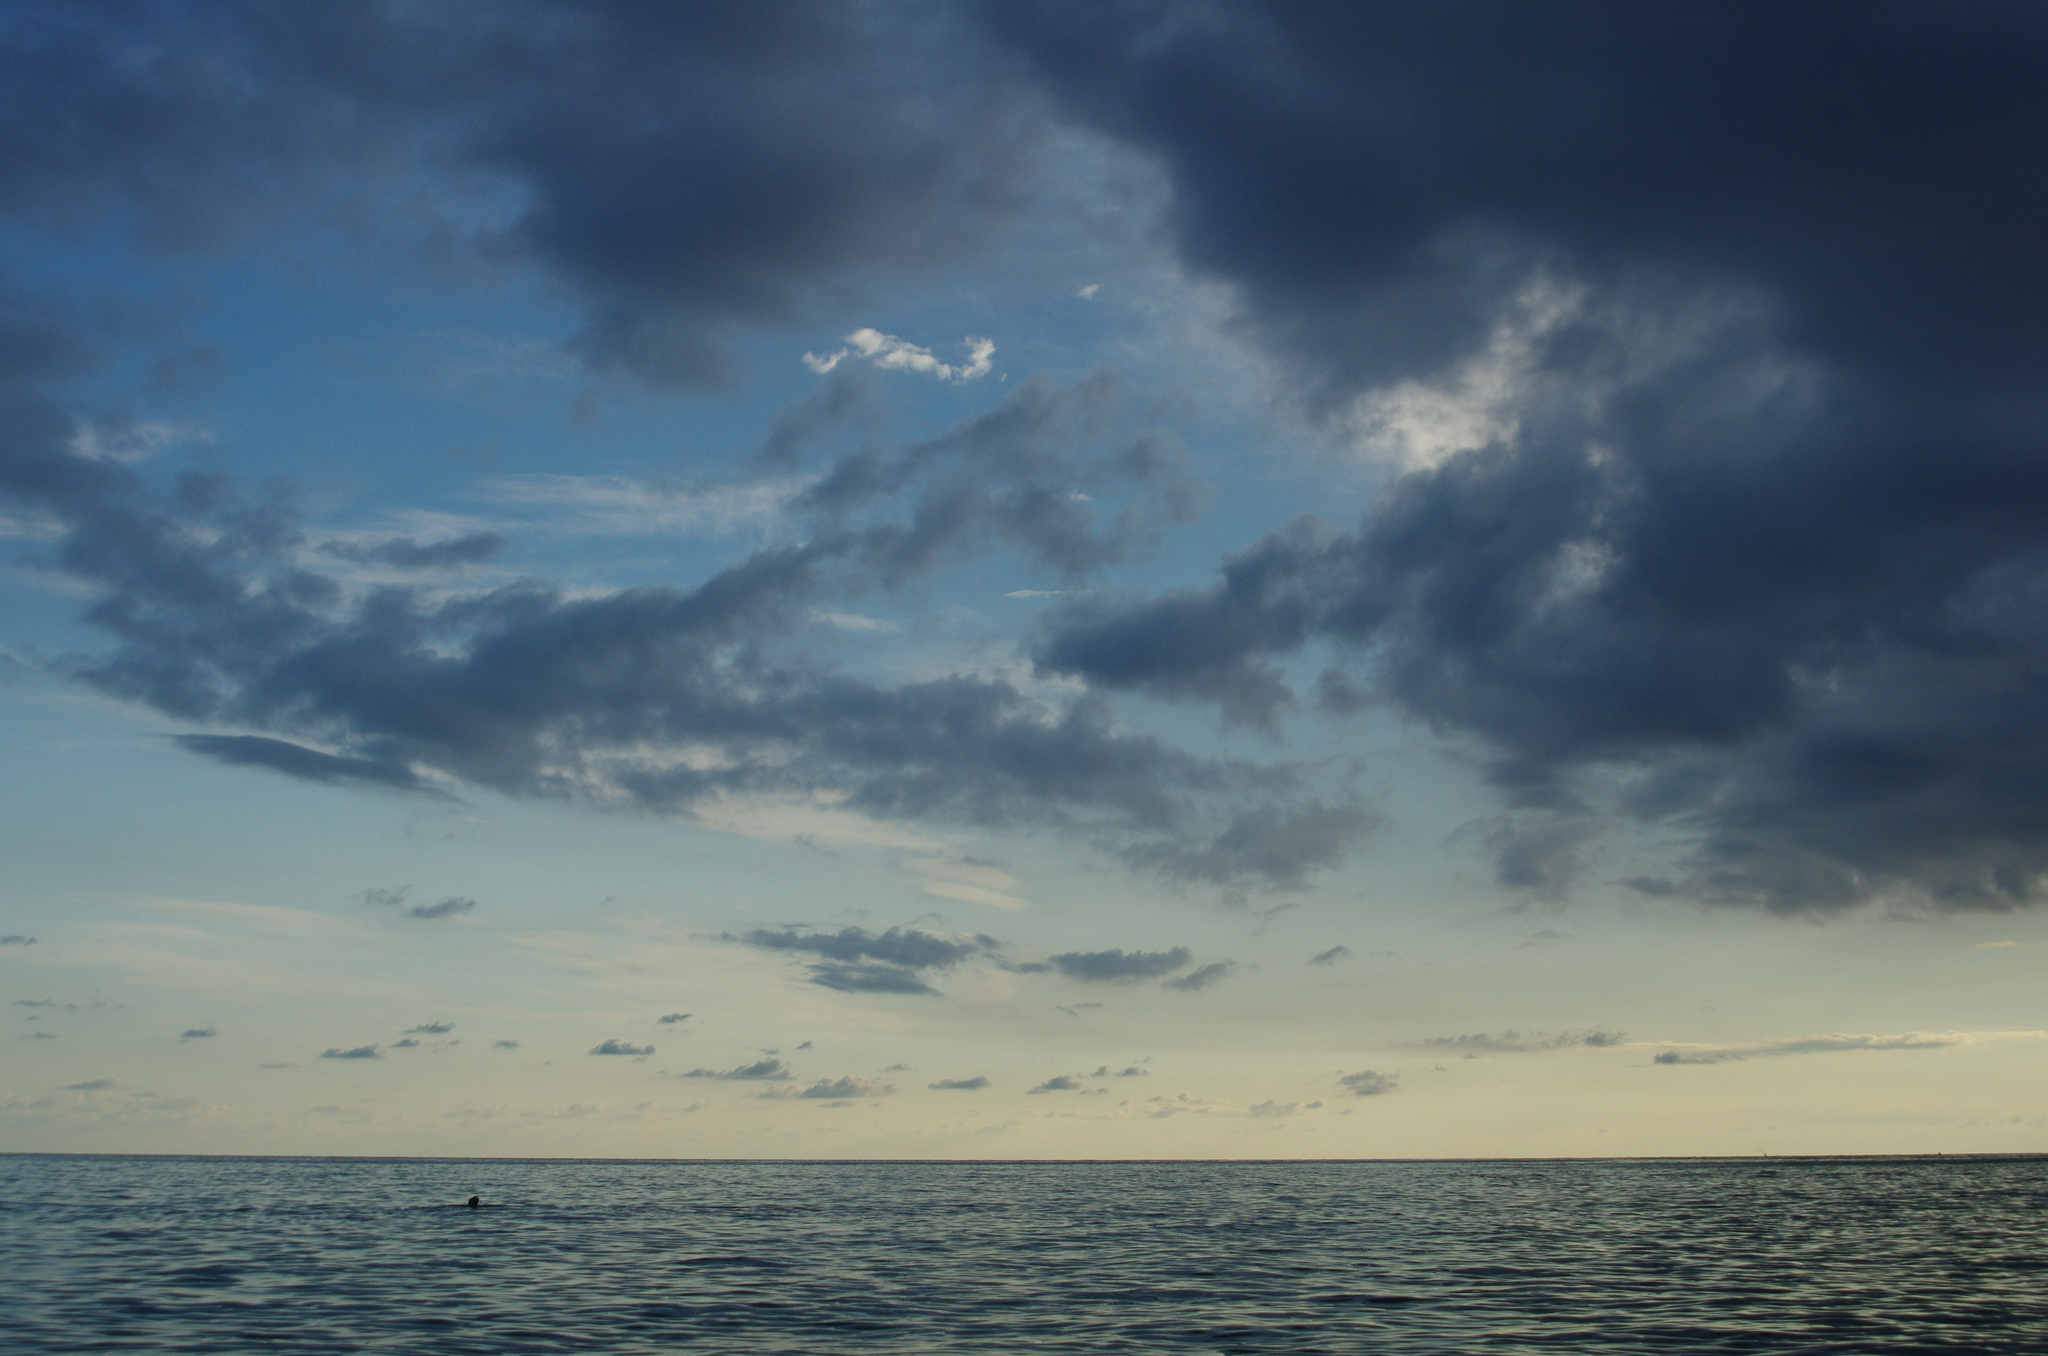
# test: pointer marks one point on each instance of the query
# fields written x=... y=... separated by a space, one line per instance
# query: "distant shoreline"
x=1052 y=1162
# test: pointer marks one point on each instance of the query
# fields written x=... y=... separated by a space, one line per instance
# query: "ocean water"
x=223 y=1255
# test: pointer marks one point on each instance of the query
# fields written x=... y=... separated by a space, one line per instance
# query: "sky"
x=1023 y=580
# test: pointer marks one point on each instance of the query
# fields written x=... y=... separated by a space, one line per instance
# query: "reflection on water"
x=325 y=1255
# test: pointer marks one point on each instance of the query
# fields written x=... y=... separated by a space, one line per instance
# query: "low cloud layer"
x=1120 y=967
x=1522 y=1042
x=854 y=960
x=220 y=613
x=760 y=1069
x=1195 y=980
x=1808 y=1045
x=615 y=1046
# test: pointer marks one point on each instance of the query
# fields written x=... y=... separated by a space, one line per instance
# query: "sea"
x=332 y=1255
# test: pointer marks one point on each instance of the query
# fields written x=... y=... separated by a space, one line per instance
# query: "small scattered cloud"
x=891 y=354
x=1810 y=1045
x=395 y=898
x=844 y=1089
x=408 y=1043
x=854 y=960
x=42 y=1035
x=1087 y=291
x=1075 y=1009
x=353 y=1052
x=430 y=1029
x=1332 y=956
x=197 y=1033
x=1369 y=1083
x=1273 y=1109
x=619 y=1047
x=1196 y=980
x=1523 y=1042
x=1120 y=967
x=764 y=1068
x=1059 y=1083
x=1981 y=946
x=974 y=1084
x=671 y=1018
x=17 y=939
x=504 y=1045
x=1129 y=1071
x=93 y=1085
x=450 y=907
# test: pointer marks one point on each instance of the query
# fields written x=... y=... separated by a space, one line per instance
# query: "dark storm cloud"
x=974 y=1084
x=1863 y=160
x=764 y=1068
x=686 y=168
x=1120 y=967
x=1750 y=556
x=1516 y=1042
x=353 y=1052
x=619 y=1047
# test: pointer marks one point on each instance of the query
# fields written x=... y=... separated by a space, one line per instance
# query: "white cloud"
x=129 y=443
x=618 y=506
x=891 y=354
x=970 y=882
x=853 y=621
x=1419 y=424
x=1088 y=293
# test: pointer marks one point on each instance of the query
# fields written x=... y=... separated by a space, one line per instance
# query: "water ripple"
x=320 y=1255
